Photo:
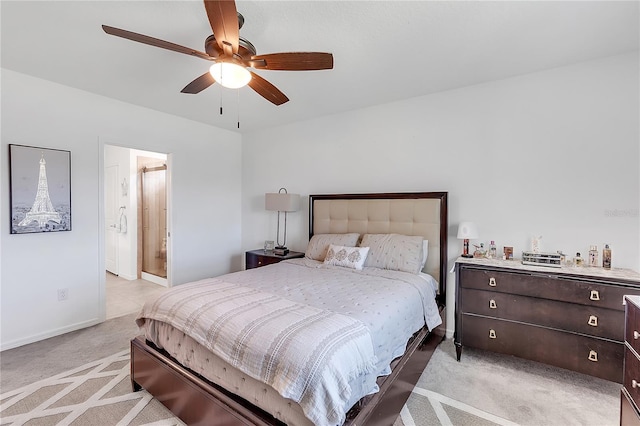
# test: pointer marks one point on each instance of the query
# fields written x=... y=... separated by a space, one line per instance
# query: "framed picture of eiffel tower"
x=40 y=189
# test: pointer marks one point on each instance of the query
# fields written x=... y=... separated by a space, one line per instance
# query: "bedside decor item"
x=479 y=252
x=541 y=259
x=535 y=243
x=606 y=257
x=508 y=253
x=466 y=232
x=492 y=253
x=39 y=189
x=268 y=246
x=282 y=202
x=593 y=256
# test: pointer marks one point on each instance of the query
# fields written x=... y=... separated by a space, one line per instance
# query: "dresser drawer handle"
x=492 y=282
x=492 y=334
x=634 y=384
x=636 y=335
x=595 y=295
x=492 y=304
x=593 y=356
x=593 y=321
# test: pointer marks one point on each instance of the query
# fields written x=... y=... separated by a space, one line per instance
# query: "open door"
x=110 y=219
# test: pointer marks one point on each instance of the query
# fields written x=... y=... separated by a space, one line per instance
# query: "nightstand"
x=257 y=258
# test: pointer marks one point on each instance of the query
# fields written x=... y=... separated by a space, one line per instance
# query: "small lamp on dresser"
x=467 y=231
x=282 y=202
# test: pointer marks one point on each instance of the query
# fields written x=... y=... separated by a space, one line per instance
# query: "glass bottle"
x=606 y=257
x=492 y=250
x=578 y=261
x=593 y=256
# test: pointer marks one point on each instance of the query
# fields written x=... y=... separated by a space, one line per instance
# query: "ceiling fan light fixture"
x=230 y=75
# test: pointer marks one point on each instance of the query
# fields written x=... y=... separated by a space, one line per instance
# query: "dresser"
x=630 y=392
x=257 y=258
x=569 y=317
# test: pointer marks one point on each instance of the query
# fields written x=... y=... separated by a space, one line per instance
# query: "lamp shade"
x=467 y=231
x=281 y=202
x=230 y=74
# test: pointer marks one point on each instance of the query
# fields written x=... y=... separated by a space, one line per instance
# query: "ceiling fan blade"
x=140 y=38
x=223 y=18
x=199 y=84
x=267 y=90
x=293 y=61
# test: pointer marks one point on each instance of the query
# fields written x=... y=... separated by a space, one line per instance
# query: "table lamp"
x=281 y=202
x=467 y=231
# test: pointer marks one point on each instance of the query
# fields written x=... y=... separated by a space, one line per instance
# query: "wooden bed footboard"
x=196 y=401
x=193 y=399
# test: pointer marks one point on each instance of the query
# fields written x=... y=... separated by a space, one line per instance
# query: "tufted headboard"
x=407 y=213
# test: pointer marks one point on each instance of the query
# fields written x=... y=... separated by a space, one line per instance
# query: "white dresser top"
x=583 y=271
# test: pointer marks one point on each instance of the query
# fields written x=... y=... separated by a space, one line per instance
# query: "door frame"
x=102 y=300
x=110 y=228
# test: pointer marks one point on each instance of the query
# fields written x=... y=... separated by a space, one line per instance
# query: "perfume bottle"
x=593 y=256
x=492 y=250
x=578 y=261
x=480 y=251
x=606 y=257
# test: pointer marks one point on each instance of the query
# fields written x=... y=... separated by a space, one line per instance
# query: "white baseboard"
x=128 y=277
x=154 y=279
x=51 y=333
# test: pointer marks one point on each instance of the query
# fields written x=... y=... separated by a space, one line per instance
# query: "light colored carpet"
x=486 y=388
x=483 y=389
x=36 y=361
x=94 y=394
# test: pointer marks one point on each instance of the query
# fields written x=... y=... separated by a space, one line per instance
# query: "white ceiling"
x=383 y=50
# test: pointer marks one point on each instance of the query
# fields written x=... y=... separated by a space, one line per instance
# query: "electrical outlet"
x=63 y=294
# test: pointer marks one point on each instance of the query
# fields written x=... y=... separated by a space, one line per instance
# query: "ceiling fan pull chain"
x=220 y=91
x=238 y=108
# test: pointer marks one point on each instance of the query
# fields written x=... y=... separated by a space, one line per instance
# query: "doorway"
x=136 y=250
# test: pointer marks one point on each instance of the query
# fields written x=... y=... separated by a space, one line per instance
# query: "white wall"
x=554 y=153
x=206 y=171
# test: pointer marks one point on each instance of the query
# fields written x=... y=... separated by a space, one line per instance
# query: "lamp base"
x=466 y=255
x=280 y=251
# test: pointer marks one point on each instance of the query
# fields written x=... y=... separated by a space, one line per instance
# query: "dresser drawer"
x=549 y=286
x=632 y=325
x=257 y=261
x=589 y=355
x=632 y=374
x=590 y=320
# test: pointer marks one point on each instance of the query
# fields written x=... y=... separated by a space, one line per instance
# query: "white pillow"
x=394 y=252
x=319 y=244
x=349 y=257
x=425 y=253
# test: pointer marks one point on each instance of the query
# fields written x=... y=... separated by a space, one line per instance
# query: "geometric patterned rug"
x=426 y=407
x=99 y=394
x=95 y=394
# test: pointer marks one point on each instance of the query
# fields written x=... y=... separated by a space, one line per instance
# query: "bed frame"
x=198 y=401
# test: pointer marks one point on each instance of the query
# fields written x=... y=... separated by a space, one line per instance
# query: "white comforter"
x=357 y=321
x=307 y=354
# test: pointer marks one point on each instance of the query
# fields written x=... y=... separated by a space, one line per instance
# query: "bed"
x=198 y=369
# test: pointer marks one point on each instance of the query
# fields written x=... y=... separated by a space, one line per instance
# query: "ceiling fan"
x=232 y=55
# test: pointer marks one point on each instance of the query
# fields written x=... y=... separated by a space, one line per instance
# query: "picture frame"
x=39 y=189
